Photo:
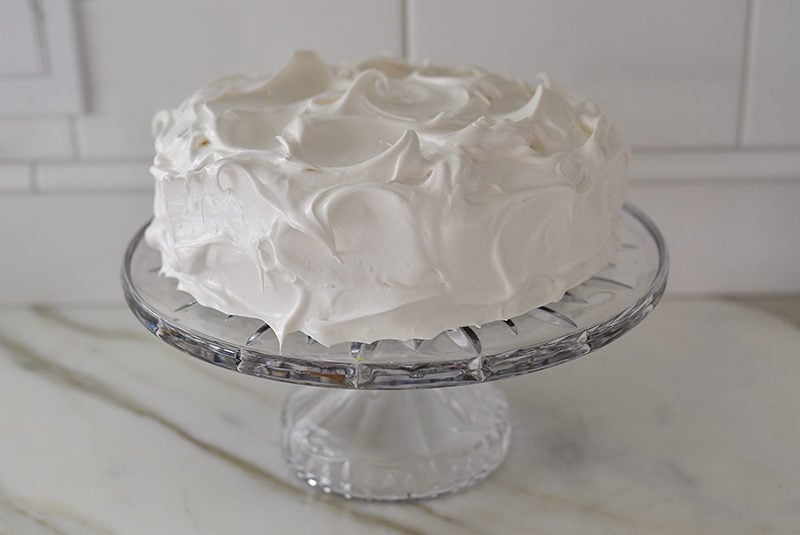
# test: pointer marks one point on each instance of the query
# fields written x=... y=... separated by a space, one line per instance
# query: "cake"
x=384 y=200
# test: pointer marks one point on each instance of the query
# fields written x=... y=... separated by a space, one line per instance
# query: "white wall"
x=706 y=91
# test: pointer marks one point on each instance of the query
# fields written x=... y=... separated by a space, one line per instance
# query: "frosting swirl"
x=386 y=200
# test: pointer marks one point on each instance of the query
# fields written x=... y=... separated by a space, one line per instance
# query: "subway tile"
x=45 y=137
x=66 y=248
x=668 y=73
x=773 y=112
x=145 y=56
x=133 y=175
x=15 y=177
x=733 y=237
x=715 y=165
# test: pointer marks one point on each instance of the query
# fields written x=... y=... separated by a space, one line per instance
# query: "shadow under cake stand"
x=385 y=428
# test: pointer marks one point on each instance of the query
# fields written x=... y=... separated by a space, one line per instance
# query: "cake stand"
x=385 y=428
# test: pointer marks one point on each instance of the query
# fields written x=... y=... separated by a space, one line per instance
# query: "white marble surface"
x=689 y=424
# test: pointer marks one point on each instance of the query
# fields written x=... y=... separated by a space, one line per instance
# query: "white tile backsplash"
x=669 y=73
x=91 y=176
x=773 y=107
x=66 y=248
x=145 y=56
x=38 y=138
x=15 y=177
x=738 y=239
x=720 y=166
x=74 y=189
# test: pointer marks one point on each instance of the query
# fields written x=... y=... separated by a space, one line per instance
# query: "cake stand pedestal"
x=395 y=445
x=385 y=429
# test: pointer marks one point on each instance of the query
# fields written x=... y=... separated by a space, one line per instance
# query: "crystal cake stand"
x=385 y=429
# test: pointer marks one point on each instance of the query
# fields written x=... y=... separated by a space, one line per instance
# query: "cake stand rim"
x=336 y=374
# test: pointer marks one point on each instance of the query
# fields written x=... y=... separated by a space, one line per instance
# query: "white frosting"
x=383 y=201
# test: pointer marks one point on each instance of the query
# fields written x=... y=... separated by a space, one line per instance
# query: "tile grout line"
x=748 y=54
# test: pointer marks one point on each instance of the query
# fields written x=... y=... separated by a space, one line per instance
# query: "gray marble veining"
x=686 y=425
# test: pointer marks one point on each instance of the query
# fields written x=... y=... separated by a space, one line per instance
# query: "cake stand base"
x=395 y=444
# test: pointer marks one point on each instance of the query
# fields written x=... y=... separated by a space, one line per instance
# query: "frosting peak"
x=385 y=200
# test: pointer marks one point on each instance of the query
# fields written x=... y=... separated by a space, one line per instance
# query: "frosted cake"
x=383 y=200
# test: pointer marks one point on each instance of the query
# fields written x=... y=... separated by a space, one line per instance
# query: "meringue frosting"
x=385 y=200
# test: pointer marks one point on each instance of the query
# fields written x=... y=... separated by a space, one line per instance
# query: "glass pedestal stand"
x=395 y=445
x=384 y=429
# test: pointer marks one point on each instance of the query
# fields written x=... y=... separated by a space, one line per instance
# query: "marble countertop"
x=689 y=424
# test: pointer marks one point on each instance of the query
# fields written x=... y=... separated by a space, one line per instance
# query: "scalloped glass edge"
x=419 y=372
